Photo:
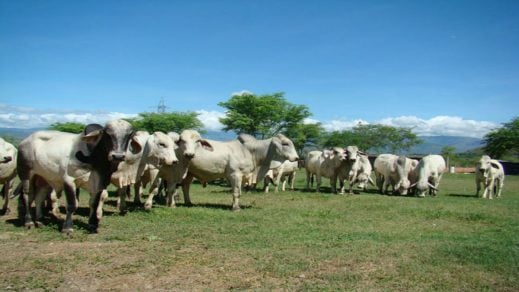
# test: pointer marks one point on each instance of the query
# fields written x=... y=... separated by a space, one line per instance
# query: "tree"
x=503 y=141
x=304 y=134
x=167 y=122
x=375 y=138
x=449 y=153
x=70 y=127
x=262 y=115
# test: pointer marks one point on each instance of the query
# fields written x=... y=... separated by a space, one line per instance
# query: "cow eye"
x=285 y=144
x=162 y=145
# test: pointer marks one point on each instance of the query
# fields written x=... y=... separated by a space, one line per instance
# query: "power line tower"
x=161 y=108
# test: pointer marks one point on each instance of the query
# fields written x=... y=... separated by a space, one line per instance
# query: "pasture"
x=289 y=240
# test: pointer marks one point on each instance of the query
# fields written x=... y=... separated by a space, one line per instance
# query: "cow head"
x=189 y=140
x=285 y=147
x=162 y=148
x=111 y=140
x=352 y=153
x=484 y=165
x=5 y=156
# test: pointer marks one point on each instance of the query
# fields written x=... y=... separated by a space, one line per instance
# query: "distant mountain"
x=434 y=144
x=16 y=133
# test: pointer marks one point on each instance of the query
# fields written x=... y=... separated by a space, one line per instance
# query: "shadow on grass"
x=463 y=196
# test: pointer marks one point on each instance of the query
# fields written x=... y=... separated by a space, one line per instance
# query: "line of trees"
x=267 y=115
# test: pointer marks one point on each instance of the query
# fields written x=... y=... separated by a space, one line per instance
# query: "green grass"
x=291 y=240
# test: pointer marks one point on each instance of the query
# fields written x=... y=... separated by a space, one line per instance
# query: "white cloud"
x=240 y=93
x=442 y=125
x=210 y=119
x=21 y=117
x=339 y=125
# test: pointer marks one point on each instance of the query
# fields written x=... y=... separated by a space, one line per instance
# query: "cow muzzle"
x=117 y=156
x=189 y=155
x=6 y=159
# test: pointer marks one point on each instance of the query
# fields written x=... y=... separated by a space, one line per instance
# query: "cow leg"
x=54 y=199
x=137 y=188
x=478 y=186
x=308 y=178
x=499 y=186
x=26 y=198
x=318 y=182
x=40 y=197
x=172 y=192
x=278 y=180
x=235 y=180
x=186 y=183
x=5 y=194
x=121 y=199
x=72 y=202
x=96 y=209
x=154 y=188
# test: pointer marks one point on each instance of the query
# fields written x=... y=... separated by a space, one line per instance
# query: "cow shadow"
x=463 y=196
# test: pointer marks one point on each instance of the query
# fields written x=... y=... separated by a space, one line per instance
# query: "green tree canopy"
x=375 y=138
x=262 y=115
x=167 y=122
x=503 y=141
x=70 y=127
x=303 y=134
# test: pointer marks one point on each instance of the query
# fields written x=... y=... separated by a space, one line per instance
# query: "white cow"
x=490 y=172
x=8 y=155
x=186 y=145
x=281 y=172
x=236 y=160
x=393 y=170
x=358 y=172
x=324 y=164
x=428 y=174
x=158 y=150
x=66 y=161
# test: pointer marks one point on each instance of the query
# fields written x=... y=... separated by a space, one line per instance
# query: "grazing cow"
x=356 y=172
x=66 y=161
x=428 y=174
x=8 y=155
x=392 y=170
x=236 y=160
x=490 y=172
x=280 y=172
x=186 y=145
x=324 y=164
x=158 y=150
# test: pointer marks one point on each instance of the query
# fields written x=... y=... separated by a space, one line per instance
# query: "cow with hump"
x=491 y=174
x=237 y=160
x=324 y=164
x=66 y=161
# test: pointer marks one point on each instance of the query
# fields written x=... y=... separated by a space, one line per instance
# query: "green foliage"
x=262 y=115
x=10 y=139
x=503 y=141
x=167 y=122
x=304 y=134
x=375 y=138
x=70 y=127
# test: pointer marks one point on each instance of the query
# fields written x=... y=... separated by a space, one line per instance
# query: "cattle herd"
x=50 y=162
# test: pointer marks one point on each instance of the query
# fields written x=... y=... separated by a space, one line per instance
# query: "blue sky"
x=443 y=67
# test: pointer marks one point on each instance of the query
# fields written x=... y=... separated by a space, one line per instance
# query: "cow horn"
x=432 y=187
x=371 y=180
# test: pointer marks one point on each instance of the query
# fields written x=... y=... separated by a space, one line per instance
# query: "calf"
x=66 y=160
x=489 y=172
x=281 y=172
x=8 y=155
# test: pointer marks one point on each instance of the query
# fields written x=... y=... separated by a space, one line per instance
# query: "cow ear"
x=206 y=145
x=135 y=145
x=93 y=137
x=362 y=153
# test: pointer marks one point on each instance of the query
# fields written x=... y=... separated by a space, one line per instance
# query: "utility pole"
x=161 y=108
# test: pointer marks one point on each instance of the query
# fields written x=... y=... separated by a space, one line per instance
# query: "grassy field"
x=291 y=241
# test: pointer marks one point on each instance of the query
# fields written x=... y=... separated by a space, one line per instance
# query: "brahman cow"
x=490 y=172
x=237 y=160
x=66 y=160
x=428 y=174
x=8 y=155
x=158 y=150
x=324 y=164
x=393 y=170
x=356 y=172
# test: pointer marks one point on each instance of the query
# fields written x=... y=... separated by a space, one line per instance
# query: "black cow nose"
x=119 y=157
x=189 y=155
x=7 y=158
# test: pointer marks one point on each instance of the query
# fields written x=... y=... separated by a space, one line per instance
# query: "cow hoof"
x=6 y=211
x=67 y=231
x=147 y=207
x=29 y=225
x=39 y=224
x=92 y=228
x=236 y=209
